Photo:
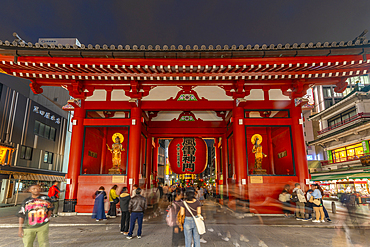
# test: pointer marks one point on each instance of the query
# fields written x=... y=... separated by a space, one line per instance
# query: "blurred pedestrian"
x=165 y=192
x=309 y=206
x=160 y=189
x=190 y=228
x=54 y=197
x=284 y=199
x=318 y=205
x=136 y=207
x=98 y=210
x=133 y=192
x=113 y=200
x=300 y=204
x=34 y=216
x=177 y=236
x=124 y=200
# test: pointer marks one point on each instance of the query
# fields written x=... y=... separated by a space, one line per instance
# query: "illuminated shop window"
x=348 y=153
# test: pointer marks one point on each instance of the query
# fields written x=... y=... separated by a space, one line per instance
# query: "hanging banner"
x=187 y=155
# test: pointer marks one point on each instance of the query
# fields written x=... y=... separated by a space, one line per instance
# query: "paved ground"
x=224 y=229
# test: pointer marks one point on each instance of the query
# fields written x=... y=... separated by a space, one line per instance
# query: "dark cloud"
x=187 y=21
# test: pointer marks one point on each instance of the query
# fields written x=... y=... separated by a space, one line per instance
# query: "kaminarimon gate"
x=247 y=98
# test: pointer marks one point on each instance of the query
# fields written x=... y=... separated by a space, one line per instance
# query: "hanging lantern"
x=187 y=155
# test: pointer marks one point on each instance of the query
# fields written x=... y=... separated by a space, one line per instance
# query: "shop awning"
x=324 y=177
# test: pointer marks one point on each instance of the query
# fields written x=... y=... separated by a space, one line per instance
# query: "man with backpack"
x=124 y=200
x=54 y=197
x=298 y=197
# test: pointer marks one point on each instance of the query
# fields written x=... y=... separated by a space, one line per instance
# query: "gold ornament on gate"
x=257 y=150
x=116 y=151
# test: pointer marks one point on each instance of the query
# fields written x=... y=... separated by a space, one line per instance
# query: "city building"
x=343 y=138
x=248 y=99
x=32 y=137
x=323 y=97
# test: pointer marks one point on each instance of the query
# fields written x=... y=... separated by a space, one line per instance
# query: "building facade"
x=32 y=137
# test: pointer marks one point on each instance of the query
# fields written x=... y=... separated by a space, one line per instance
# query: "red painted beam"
x=106 y=105
x=186 y=105
x=187 y=62
x=167 y=135
x=183 y=131
x=107 y=122
x=183 y=124
x=267 y=121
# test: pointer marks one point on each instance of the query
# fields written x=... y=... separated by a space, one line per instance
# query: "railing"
x=345 y=121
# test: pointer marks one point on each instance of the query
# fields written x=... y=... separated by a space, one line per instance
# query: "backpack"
x=171 y=217
x=294 y=197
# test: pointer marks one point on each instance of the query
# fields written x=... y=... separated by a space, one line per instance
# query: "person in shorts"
x=34 y=216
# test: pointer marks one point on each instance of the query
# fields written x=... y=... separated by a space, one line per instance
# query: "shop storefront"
x=336 y=185
x=14 y=189
x=348 y=153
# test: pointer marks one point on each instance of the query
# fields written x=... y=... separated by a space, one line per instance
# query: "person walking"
x=113 y=200
x=300 y=204
x=160 y=189
x=165 y=192
x=136 y=207
x=54 y=197
x=190 y=229
x=177 y=236
x=98 y=210
x=318 y=205
x=124 y=200
x=31 y=226
x=133 y=192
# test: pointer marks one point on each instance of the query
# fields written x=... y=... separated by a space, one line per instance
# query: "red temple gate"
x=248 y=99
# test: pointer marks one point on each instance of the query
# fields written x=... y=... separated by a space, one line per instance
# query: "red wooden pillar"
x=134 y=148
x=271 y=153
x=300 y=154
x=75 y=156
x=155 y=161
x=240 y=151
x=217 y=164
x=225 y=171
x=239 y=145
x=103 y=150
x=148 y=160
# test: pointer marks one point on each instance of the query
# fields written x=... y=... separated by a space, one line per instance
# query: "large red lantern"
x=187 y=155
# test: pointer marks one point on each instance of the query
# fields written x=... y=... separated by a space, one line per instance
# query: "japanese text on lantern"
x=178 y=154
x=188 y=154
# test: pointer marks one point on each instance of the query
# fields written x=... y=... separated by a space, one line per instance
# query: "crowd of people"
x=304 y=205
x=183 y=212
x=185 y=204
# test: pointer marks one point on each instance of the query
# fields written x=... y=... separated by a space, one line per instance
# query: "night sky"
x=186 y=22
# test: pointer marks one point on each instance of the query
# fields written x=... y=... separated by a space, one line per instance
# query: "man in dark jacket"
x=136 y=207
x=124 y=199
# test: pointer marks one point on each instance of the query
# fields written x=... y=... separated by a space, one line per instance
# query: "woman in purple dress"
x=98 y=210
